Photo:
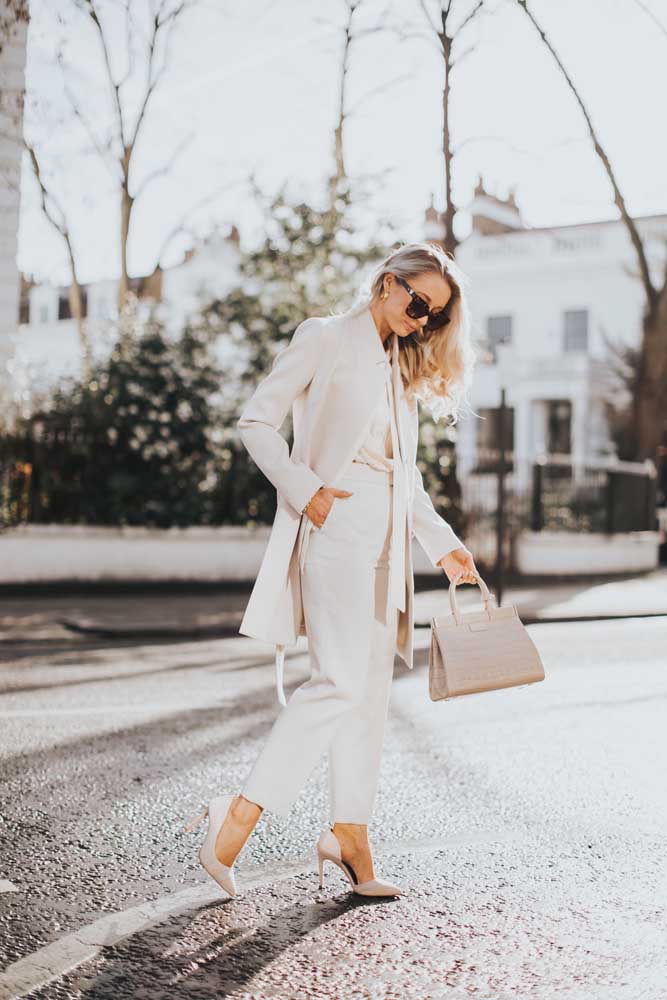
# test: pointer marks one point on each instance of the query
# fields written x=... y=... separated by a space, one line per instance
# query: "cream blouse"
x=376 y=449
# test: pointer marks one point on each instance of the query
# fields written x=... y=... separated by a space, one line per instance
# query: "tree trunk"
x=76 y=309
x=650 y=403
x=126 y=202
x=449 y=242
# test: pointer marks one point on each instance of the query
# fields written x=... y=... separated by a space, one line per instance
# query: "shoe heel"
x=320 y=865
x=196 y=821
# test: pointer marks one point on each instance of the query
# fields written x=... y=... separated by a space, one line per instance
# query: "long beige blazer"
x=331 y=374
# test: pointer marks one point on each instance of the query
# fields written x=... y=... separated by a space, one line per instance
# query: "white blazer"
x=331 y=374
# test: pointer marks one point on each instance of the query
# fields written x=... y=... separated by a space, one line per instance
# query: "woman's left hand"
x=459 y=566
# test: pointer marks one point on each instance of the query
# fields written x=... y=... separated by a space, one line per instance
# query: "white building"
x=543 y=300
x=46 y=343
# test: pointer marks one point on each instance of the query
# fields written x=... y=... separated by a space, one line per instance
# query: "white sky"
x=257 y=85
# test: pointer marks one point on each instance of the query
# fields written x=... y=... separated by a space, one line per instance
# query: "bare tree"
x=649 y=408
x=133 y=64
x=148 y=54
x=117 y=129
x=351 y=34
x=445 y=32
x=55 y=214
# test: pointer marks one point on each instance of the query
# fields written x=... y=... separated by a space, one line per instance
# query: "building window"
x=488 y=430
x=559 y=426
x=64 y=311
x=575 y=330
x=488 y=437
x=498 y=331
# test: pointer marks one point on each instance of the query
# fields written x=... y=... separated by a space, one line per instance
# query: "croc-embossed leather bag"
x=481 y=650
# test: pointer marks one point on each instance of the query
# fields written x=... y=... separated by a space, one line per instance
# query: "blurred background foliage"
x=149 y=437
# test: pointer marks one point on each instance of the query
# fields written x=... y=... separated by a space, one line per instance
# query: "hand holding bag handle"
x=477 y=651
x=487 y=597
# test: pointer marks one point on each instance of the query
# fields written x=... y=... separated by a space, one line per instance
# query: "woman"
x=338 y=565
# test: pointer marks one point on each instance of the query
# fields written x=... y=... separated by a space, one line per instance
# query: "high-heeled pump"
x=328 y=849
x=217 y=811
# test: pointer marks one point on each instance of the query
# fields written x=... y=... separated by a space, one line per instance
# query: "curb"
x=230 y=629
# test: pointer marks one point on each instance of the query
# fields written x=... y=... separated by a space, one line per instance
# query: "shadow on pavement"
x=214 y=951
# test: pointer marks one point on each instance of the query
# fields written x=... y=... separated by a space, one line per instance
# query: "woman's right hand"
x=322 y=502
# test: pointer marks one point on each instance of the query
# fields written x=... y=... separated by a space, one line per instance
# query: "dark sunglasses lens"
x=435 y=322
x=416 y=308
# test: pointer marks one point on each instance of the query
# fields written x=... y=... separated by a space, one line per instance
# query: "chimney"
x=492 y=215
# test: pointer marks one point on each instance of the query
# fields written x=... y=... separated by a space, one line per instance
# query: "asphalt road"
x=527 y=826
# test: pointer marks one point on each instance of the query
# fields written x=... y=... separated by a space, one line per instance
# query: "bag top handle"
x=486 y=598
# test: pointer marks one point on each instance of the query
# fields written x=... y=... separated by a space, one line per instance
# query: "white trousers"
x=343 y=706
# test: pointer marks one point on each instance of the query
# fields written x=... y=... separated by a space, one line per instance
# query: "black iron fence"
x=608 y=498
x=15 y=493
x=553 y=493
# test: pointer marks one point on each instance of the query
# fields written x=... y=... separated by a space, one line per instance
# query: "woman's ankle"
x=354 y=832
x=246 y=811
x=236 y=829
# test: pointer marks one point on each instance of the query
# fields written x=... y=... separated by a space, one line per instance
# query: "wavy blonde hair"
x=436 y=366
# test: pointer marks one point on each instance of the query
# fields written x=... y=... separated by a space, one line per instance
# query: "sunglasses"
x=418 y=307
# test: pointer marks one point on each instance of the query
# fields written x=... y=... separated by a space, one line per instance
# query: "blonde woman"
x=338 y=564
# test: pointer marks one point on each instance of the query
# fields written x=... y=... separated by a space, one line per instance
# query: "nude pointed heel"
x=328 y=849
x=217 y=811
x=196 y=821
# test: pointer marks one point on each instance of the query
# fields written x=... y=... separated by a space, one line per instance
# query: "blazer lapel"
x=355 y=385
x=397 y=388
x=358 y=379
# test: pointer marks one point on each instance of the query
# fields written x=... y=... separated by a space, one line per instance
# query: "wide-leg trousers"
x=342 y=707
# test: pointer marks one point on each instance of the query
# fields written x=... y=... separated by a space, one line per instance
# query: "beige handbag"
x=480 y=650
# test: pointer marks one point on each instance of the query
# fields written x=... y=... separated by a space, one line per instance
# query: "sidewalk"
x=169 y=614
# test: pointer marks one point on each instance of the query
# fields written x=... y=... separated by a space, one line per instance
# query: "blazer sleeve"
x=263 y=414
x=435 y=536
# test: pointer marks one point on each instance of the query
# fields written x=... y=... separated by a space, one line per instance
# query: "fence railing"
x=15 y=493
x=552 y=493
x=599 y=496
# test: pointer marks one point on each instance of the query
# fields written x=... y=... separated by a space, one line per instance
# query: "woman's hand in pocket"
x=322 y=502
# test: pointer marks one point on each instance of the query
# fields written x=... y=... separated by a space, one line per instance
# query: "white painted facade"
x=555 y=293
x=554 y=553
x=210 y=272
x=46 y=553
x=47 y=348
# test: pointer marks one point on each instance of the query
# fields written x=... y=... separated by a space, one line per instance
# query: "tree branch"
x=180 y=226
x=650 y=14
x=163 y=170
x=89 y=6
x=602 y=154
x=470 y=16
x=432 y=26
x=169 y=21
x=104 y=151
x=381 y=88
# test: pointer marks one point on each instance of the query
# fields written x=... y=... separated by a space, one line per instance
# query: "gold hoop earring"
x=383 y=295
